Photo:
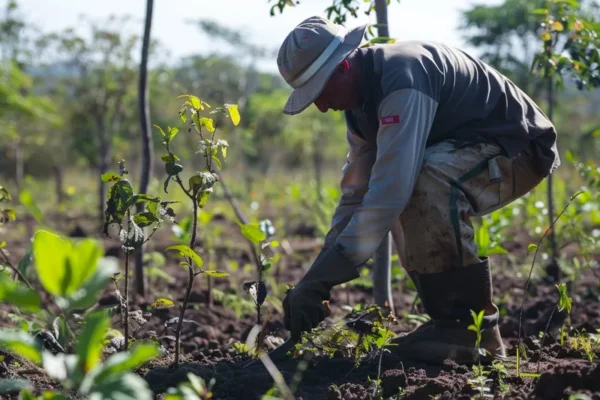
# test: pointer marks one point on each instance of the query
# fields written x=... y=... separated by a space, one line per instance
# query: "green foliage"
x=62 y=265
x=570 y=43
x=6 y=215
x=194 y=388
x=24 y=298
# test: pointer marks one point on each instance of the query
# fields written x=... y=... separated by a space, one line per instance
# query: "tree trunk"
x=144 y=109
x=381 y=12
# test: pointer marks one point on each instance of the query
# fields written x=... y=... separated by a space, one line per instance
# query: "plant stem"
x=188 y=290
x=533 y=262
x=10 y=264
x=126 y=327
x=543 y=337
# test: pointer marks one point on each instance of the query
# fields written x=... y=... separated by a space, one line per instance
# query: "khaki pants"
x=434 y=233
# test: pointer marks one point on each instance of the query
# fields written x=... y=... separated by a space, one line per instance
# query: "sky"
x=437 y=20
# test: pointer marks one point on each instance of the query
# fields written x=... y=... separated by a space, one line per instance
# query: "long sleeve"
x=405 y=117
x=353 y=184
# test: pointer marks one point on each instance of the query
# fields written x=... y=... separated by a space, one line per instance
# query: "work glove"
x=303 y=304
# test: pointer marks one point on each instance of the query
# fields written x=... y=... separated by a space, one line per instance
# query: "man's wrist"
x=332 y=268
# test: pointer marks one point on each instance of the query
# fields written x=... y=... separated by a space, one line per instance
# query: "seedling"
x=200 y=185
x=257 y=234
x=121 y=222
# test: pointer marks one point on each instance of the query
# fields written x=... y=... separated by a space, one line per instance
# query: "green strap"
x=455 y=187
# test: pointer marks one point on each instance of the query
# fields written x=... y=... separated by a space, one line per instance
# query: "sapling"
x=258 y=234
x=119 y=222
x=200 y=184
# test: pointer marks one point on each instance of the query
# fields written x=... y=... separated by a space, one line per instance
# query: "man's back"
x=474 y=100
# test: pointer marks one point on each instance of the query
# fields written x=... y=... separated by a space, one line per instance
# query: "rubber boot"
x=448 y=298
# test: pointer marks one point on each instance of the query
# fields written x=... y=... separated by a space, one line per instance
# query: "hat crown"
x=303 y=46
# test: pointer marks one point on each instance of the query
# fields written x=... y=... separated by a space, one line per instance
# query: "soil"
x=208 y=341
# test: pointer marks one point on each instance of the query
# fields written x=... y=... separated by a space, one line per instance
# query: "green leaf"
x=172 y=133
x=120 y=198
x=4 y=195
x=195 y=101
x=62 y=265
x=576 y=195
x=133 y=237
x=208 y=123
x=169 y=158
x=196 y=121
x=161 y=131
x=569 y=156
x=275 y=244
x=144 y=219
x=183 y=114
x=252 y=233
x=12 y=293
x=203 y=198
x=22 y=344
x=139 y=354
x=266 y=266
x=216 y=274
x=558 y=26
x=173 y=169
x=26 y=198
x=128 y=386
x=596 y=133
x=233 y=113
x=531 y=248
x=110 y=177
x=14 y=385
x=187 y=252
x=162 y=303
x=564 y=301
x=2 y=244
x=88 y=294
x=90 y=343
x=217 y=161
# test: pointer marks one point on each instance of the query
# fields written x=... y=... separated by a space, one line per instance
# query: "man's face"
x=339 y=92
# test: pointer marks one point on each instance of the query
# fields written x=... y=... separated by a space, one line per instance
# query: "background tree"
x=146 y=136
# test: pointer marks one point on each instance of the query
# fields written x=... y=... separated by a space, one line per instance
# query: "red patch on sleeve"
x=390 y=119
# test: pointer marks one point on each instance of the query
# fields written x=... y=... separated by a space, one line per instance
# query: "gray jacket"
x=418 y=94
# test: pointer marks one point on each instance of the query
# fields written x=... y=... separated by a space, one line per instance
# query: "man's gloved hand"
x=303 y=305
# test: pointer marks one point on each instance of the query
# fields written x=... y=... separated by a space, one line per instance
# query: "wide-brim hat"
x=309 y=55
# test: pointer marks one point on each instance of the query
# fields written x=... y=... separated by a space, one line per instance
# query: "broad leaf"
x=19 y=296
x=22 y=344
x=139 y=354
x=172 y=133
x=233 y=113
x=216 y=274
x=128 y=386
x=144 y=219
x=120 y=198
x=161 y=130
x=531 y=248
x=187 y=252
x=203 y=198
x=252 y=233
x=162 y=303
x=62 y=265
x=87 y=295
x=132 y=237
x=26 y=198
x=183 y=113
x=173 y=169
x=171 y=158
x=90 y=343
x=110 y=177
x=208 y=123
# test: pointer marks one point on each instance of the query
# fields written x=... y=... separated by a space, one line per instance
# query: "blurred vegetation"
x=68 y=112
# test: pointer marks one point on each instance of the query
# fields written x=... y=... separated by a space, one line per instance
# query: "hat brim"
x=303 y=96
